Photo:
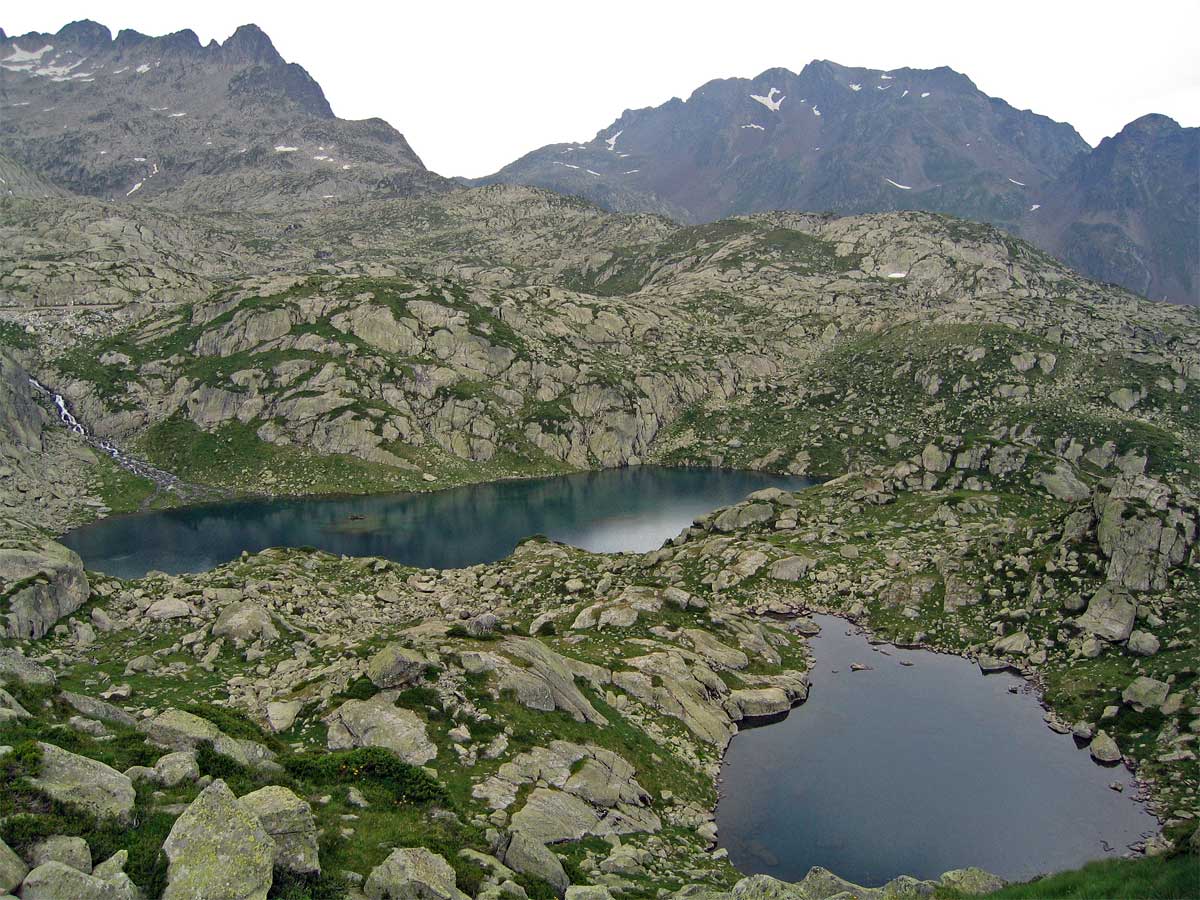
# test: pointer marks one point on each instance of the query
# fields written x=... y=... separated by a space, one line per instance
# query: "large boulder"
x=12 y=868
x=378 y=722
x=245 y=622
x=530 y=857
x=413 y=873
x=92 y=708
x=68 y=850
x=289 y=821
x=84 y=782
x=753 y=703
x=1110 y=614
x=1146 y=693
x=56 y=881
x=14 y=666
x=218 y=850
x=40 y=582
x=396 y=666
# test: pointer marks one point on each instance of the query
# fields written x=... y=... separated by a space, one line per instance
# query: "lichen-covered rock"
x=1145 y=693
x=972 y=880
x=289 y=821
x=530 y=857
x=55 y=881
x=396 y=666
x=217 y=850
x=245 y=622
x=84 y=782
x=68 y=850
x=1104 y=749
x=1110 y=614
x=176 y=729
x=98 y=709
x=413 y=873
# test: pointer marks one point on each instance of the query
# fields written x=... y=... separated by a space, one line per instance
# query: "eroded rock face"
x=218 y=850
x=378 y=722
x=41 y=582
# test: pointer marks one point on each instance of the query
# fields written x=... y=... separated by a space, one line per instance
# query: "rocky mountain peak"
x=250 y=45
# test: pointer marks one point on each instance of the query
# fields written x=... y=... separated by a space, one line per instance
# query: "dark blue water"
x=633 y=509
x=916 y=771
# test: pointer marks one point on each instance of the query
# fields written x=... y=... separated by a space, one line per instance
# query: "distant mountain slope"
x=223 y=125
x=1129 y=211
x=829 y=138
x=854 y=140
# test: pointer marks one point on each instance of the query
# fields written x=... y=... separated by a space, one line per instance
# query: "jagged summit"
x=225 y=124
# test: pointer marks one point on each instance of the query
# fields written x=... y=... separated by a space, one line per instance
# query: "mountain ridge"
x=840 y=138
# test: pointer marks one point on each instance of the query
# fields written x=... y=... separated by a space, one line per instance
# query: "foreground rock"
x=218 y=850
x=413 y=874
x=289 y=822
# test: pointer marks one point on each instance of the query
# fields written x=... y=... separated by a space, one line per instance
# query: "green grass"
x=1176 y=878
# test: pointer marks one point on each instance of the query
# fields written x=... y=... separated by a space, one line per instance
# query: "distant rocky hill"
x=853 y=140
x=227 y=125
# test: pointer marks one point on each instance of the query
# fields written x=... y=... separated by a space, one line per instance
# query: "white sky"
x=474 y=85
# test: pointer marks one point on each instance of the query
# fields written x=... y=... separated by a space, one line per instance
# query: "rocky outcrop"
x=40 y=583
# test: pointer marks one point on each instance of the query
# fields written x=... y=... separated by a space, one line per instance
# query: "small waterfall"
x=124 y=460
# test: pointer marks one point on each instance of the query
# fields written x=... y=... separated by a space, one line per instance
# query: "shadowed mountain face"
x=166 y=118
x=1129 y=211
x=829 y=138
x=855 y=140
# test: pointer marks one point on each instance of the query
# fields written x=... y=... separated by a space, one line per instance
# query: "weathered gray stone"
x=68 y=850
x=12 y=868
x=396 y=666
x=245 y=622
x=98 y=709
x=1110 y=614
x=413 y=873
x=1143 y=643
x=84 y=782
x=55 y=881
x=1145 y=693
x=16 y=667
x=289 y=821
x=378 y=722
x=530 y=857
x=217 y=850
x=1104 y=749
x=43 y=583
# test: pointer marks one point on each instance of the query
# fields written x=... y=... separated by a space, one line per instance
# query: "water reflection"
x=916 y=770
x=633 y=509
